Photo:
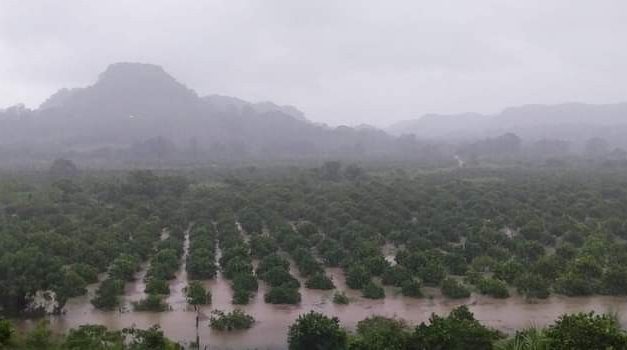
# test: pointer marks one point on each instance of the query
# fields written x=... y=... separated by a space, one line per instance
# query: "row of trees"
x=313 y=331
x=493 y=231
x=459 y=330
x=236 y=262
x=93 y=337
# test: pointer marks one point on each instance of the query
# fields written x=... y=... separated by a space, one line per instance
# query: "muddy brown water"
x=272 y=321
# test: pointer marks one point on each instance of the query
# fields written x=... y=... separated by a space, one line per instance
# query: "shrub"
x=196 y=294
x=340 y=298
x=451 y=288
x=152 y=302
x=233 y=320
x=373 y=291
x=157 y=286
x=283 y=294
x=532 y=286
x=315 y=331
x=493 y=287
x=586 y=331
x=411 y=288
x=320 y=281
x=357 y=277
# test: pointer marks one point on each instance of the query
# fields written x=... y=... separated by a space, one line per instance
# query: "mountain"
x=136 y=111
x=575 y=122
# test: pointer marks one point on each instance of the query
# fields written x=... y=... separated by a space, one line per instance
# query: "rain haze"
x=313 y=174
x=340 y=62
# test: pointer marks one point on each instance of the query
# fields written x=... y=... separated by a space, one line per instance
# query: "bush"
x=233 y=320
x=460 y=330
x=340 y=298
x=493 y=287
x=373 y=291
x=586 y=331
x=6 y=332
x=241 y=297
x=357 y=277
x=157 y=286
x=319 y=281
x=532 y=286
x=245 y=281
x=395 y=275
x=107 y=294
x=411 y=288
x=315 y=331
x=196 y=294
x=378 y=332
x=451 y=288
x=152 y=302
x=284 y=294
x=278 y=276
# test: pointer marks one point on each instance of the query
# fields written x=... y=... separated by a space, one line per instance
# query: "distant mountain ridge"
x=569 y=121
x=140 y=106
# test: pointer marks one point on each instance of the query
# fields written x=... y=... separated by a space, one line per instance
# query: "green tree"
x=451 y=288
x=319 y=281
x=586 y=331
x=340 y=298
x=357 y=277
x=411 y=288
x=378 y=332
x=532 y=286
x=94 y=337
x=197 y=294
x=283 y=294
x=315 y=331
x=373 y=291
x=459 y=331
x=234 y=320
x=493 y=287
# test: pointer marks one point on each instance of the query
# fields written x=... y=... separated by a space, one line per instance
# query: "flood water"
x=272 y=321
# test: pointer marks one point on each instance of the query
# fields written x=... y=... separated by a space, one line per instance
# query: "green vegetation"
x=233 y=320
x=379 y=332
x=319 y=281
x=459 y=330
x=157 y=286
x=152 y=302
x=283 y=294
x=373 y=291
x=108 y=293
x=529 y=231
x=340 y=298
x=451 y=288
x=411 y=288
x=314 y=331
x=197 y=294
x=493 y=287
x=93 y=337
x=201 y=256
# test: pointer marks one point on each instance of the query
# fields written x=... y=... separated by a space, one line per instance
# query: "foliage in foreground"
x=457 y=331
x=92 y=337
x=315 y=331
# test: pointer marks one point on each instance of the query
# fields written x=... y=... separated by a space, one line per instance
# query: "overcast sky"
x=341 y=62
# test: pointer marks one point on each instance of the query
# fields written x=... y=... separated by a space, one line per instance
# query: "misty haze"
x=328 y=175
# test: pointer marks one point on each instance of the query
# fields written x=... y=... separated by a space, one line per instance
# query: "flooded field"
x=270 y=330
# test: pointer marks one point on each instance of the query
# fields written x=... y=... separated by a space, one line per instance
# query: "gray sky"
x=341 y=62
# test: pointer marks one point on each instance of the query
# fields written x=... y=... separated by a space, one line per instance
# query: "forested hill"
x=142 y=111
x=574 y=122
